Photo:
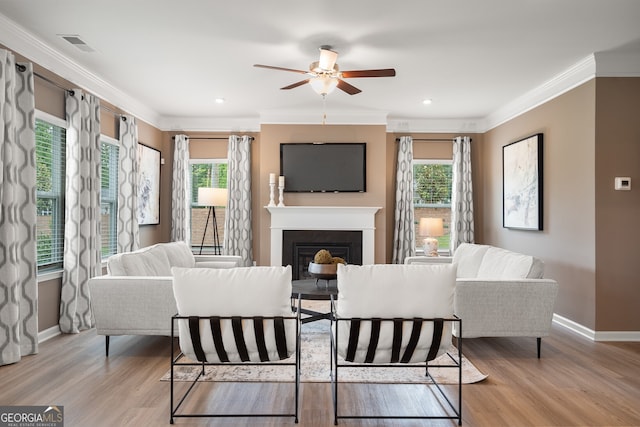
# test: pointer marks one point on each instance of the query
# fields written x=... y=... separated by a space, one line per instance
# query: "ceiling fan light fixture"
x=323 y=84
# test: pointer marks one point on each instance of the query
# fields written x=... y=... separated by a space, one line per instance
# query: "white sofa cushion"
x=149 y=261
x=395 y=291
x=468 y=257
x=499 y=263
x=179 y=254
x=242 y=291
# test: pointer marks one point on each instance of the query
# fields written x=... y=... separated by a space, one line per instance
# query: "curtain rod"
x=210 y=137
x=22 y=68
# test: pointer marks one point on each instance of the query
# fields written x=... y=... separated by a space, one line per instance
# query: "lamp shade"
x=323 y=84
x=432 y=227
x=212 y=196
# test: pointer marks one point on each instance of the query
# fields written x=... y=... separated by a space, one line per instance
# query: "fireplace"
x=300 y=246
x=323 y=218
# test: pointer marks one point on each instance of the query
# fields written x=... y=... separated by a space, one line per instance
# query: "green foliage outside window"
x=207 y=175
x=50 y=163
x=432 y=183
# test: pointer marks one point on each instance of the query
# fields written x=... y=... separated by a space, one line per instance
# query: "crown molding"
x=29 y=46
x=618 y=64
x=209 y=124
x=435 y=125
x=576 y=75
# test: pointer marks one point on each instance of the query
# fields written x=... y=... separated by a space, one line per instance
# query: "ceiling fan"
x=325 y=75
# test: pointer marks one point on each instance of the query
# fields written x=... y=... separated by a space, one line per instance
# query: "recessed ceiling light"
x=219 y=100
x=427 y=101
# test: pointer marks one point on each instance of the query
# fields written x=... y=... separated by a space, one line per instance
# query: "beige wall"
x=617 y=213
x=567 y=243
x=589 y=241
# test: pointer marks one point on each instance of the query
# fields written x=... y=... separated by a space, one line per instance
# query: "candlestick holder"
x=272 y=193
x=281 y=191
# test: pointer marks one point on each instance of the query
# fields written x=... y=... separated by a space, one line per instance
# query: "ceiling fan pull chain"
x=324 y=109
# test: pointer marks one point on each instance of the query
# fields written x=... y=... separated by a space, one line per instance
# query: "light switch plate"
x=623 y=183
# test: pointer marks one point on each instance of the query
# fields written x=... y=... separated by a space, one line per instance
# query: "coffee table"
x=311 y=289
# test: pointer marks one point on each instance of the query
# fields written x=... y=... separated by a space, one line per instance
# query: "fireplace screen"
x=300 y=246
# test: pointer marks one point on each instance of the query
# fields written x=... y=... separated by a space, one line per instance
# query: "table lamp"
x=432 y=228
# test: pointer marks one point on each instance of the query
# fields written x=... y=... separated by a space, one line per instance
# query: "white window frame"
x=419 y=240
x=194 y=202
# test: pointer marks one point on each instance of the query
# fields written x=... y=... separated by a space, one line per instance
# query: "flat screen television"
x=324 y=167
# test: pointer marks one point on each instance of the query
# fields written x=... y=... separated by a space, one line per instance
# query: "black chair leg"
x=539 y=340
x=106 y=343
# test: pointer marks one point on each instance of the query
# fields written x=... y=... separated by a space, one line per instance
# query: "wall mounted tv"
x=324 y=167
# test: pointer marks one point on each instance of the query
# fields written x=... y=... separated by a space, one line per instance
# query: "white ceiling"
x=479 y=61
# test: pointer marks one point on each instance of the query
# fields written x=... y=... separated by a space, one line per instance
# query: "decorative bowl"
x=323 y=271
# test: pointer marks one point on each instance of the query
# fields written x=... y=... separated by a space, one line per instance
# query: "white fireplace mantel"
x=354 y=218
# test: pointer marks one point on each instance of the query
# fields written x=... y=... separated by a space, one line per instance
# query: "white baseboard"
x=596 y=335
x=48 y=333
x=618 y=336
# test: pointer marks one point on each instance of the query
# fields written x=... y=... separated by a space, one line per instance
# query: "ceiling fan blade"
x=328 y=59
x=386 y=72
x=294 y=85
x=351 y=90
x=280 y=68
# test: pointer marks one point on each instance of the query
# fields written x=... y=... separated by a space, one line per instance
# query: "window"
x=432 y=196
x=206 y=173
x=109 y=195
x=50 y=175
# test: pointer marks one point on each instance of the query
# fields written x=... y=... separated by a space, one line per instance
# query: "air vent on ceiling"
x=75 y=40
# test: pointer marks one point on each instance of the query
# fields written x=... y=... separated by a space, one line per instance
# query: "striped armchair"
x=395 y=314
x=241 y=316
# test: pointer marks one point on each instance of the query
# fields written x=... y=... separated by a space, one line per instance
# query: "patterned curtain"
x=181 y=192
x=461 y=193
x=238 y=238
x=128 y=231
x=82 y=242
x=404 y=239
x=18 y=268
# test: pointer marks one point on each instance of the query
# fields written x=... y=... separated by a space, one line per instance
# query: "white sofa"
x=135 y=297
x=500 y=293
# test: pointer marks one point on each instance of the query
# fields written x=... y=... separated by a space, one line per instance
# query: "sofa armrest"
x=493 y=308
x=132 y=305
x=218 y=261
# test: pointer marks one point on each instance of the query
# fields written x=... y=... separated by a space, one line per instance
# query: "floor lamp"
x=212 y=197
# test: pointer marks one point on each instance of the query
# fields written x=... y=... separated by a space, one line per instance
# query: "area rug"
x=315 y=367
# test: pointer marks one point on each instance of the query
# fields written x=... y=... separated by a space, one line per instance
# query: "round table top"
x=309 y=290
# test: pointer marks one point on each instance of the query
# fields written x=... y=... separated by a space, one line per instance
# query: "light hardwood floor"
x=577 y=382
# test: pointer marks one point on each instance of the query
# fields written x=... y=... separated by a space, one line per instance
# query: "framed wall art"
x=148 y=185
x=522 y=184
